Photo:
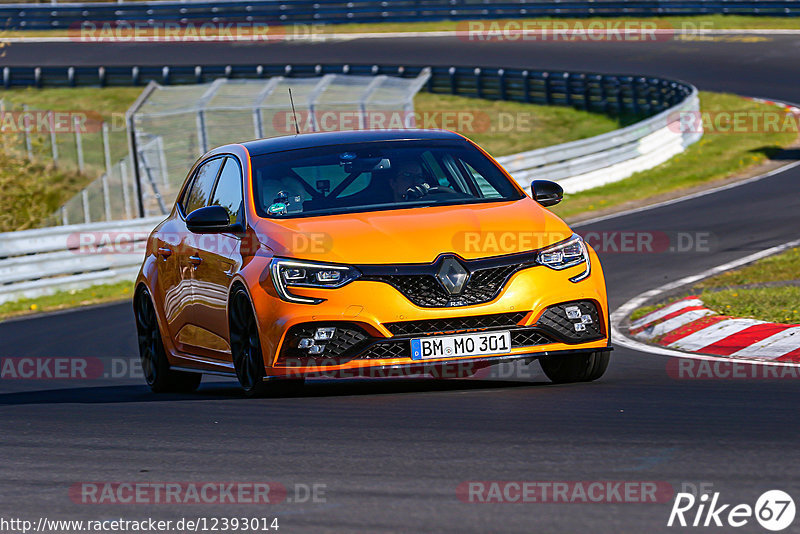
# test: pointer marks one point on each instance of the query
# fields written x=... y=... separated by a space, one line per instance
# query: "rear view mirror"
x=546 y=193
x=208 y=220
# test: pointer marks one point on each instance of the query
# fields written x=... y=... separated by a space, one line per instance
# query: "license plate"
x=461 y=345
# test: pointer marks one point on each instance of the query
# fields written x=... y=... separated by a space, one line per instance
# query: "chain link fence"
x=174 y=125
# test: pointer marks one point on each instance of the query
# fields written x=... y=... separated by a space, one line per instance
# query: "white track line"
x=713 y=333
x=621 y=313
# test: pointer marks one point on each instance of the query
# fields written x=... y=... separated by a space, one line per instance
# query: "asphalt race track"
x=392 y=453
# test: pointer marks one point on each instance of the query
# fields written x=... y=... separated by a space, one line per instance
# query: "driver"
x=408 y=178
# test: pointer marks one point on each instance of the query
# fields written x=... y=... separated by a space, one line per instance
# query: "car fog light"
x=579 y=327
x=586 y=319
x=316 y=349
x=324 y=334
x=305 y=343
x=573 y=312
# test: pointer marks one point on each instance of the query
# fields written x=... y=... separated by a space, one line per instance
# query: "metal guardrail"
x=65 y=15
x=608 y=157
x=42 y=261
x=604 y=93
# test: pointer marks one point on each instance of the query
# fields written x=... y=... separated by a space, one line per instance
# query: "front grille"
x=425 y=291
x=528 y=337
x=387 y=349
x=554 y=320
x=454 y=324
x=419 y=283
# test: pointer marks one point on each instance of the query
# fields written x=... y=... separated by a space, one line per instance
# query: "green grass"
x=776 y=304
x=503 y=127
x=110 y=104
x=33 y=190
x=106 y=102
x=716 y=156
x=706 y=22
x=778 y=268
x=773 y=304
x=68 y=299
x=689 y=23
x=24 y=203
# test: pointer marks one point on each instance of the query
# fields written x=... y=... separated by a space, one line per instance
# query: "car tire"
x=155 y=365
x=248 y=359
x=575 y=367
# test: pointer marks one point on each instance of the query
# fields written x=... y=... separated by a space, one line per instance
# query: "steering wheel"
x=418 y=191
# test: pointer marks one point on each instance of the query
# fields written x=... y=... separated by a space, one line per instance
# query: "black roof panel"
x=310 y=140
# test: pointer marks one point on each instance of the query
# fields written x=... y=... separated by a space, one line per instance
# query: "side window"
x=486 y=189
x=203 y=182
x=228 y=192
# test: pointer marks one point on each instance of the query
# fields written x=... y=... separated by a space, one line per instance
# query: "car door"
x=218 y=258
x=173 y=281
x=185 y=256
x=173 y=285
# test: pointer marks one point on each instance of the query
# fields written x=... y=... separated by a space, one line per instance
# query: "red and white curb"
x=689 y=326
x=787 y=107
x=621 y=335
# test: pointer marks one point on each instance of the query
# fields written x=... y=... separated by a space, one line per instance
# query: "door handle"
x=195 y=260
x=164 y=252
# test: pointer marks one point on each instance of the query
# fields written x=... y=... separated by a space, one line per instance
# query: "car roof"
x=310 y=140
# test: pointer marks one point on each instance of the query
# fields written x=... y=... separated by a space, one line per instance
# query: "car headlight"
x=293 y=273
x=566 y=254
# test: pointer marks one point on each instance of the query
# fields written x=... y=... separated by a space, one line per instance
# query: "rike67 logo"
x=774 y=510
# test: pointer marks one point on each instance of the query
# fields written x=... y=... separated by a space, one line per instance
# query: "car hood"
x=416 y=235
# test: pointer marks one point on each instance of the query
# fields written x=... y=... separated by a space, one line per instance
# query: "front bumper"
x=379 y=313
x=447 y=368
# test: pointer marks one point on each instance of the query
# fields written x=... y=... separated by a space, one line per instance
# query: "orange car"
x=361 y=254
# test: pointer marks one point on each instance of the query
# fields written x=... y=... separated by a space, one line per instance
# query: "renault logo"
x=452 y=275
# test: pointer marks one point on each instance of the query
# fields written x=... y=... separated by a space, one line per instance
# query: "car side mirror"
x=546 y=193
x=210 y=220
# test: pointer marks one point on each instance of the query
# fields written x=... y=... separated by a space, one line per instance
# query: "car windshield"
x=375 y=176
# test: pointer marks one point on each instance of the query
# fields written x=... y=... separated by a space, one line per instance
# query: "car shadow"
x=777 y=153
x=230 y=390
